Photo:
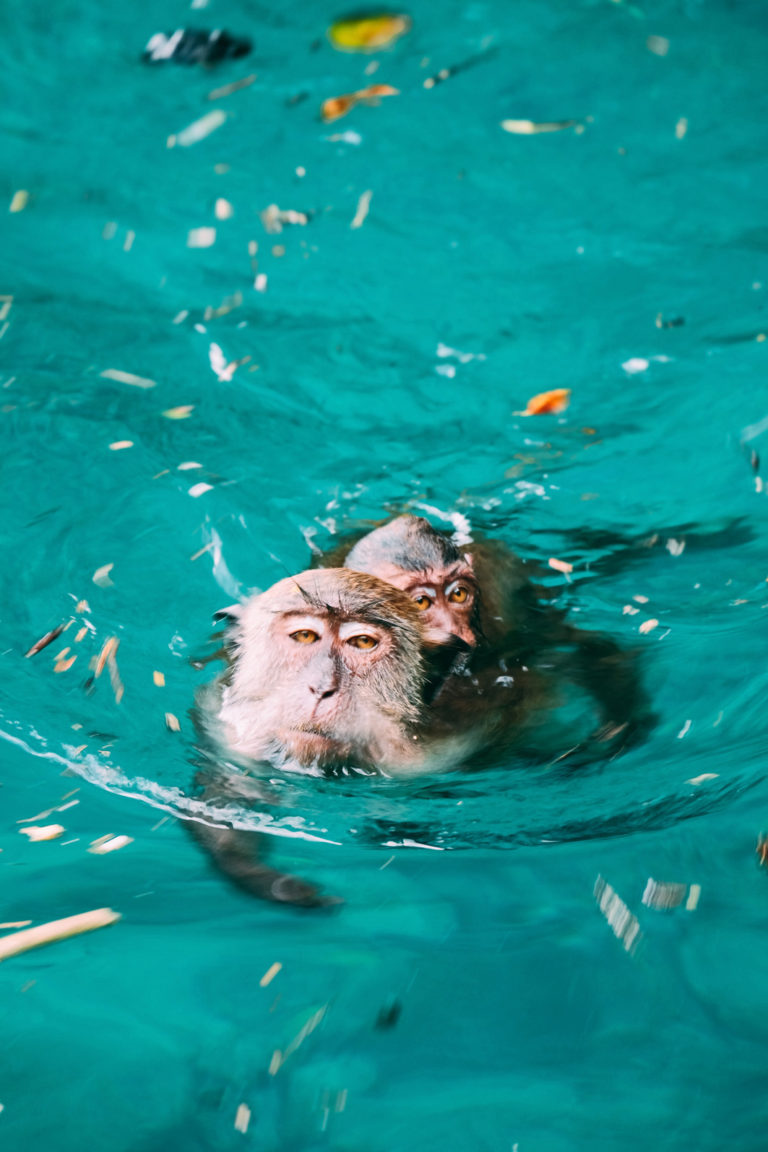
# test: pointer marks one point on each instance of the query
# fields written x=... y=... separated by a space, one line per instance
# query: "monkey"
x=481 y=599
x=327 y=671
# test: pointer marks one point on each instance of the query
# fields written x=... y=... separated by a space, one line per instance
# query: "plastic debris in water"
x=198 y=129
x=659 y=45
x=109 y=843
x=368 y=33
x=273 y=218
x=19 y=201
x=560 y=565
x=195 y=46
x=56 y=930
x=532 y=127
x=127 y=378
x=270 y=974
x=363 y=206
x=544 y=403
x=201 y=237
x=624 y=925
x=662 y=894
x=43 y=832
x=242 y=1118
x=648 y=625
x=101 y=576
x=635 y=364
x=337 y=106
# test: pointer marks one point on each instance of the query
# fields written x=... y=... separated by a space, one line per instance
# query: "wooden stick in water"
x=55 y=930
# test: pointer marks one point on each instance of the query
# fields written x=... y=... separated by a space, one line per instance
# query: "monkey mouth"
x=310 y=744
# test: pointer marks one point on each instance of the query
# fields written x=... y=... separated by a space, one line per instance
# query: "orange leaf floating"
x=337 y=106
x=368 y=33
x=557 y=400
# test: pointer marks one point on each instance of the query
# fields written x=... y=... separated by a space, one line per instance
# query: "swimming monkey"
x=327 y=670
x=479 y=597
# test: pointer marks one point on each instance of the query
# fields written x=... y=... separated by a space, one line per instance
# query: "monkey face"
x=445 y=597
x=327 y=669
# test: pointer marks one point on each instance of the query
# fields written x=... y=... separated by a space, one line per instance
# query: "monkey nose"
x=325 y=687
x=438 y=638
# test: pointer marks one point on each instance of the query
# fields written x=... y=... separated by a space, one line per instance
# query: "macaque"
x=327 y=671
x=479 y=598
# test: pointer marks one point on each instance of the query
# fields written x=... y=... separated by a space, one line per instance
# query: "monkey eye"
x=305 y=636
x=459 y=595
x=422 y=602
x=366 y=643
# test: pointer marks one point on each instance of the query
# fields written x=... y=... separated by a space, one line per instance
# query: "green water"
x=544 y=260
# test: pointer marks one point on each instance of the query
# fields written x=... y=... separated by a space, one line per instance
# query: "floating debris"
x=195 y=46
x=15 y=924
x=235 y=86
x=118 y=445
x=273 y=218
x=635 y=364
x=43 y=832
x=673 y=322
x=158 y=679
x=337 y=106
x=242 y=1118
x=19 y=201
x=198 y=129
x=260 y=283
x=101 y=576
x=532 y=127
x=64 y=664
x=368 y=33
x=348 y=137
x=662 y=894
x=279 y=1058
x=363 y=205
x=108 y=648
x=625 y=926
x=560 y=565
x=56 y=930
x=44 y=641
x=675 y=547
x=547 y=403
x=659 y=45
x=681 y=128
x=128 y=378
x=270 y=974
x=648 y=626
x=201 y=237
x=223 y=210
x=179 y=413
x=696 y=780
x=109 y=843
x=172 y=723
x=199 y=489
x=187 y=465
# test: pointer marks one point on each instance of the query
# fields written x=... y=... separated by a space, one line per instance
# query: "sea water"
x=183 y=424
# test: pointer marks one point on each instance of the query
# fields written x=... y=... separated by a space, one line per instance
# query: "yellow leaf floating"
x=556 y=400
x=368 y=33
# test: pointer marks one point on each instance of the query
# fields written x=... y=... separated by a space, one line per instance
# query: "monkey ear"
x=233 y=612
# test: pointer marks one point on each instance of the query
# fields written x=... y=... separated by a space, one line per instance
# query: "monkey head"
x=326 y=669
x=438 y=577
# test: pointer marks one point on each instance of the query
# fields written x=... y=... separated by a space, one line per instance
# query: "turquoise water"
x=532 y=1012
